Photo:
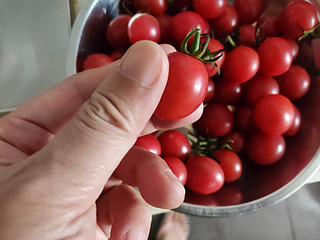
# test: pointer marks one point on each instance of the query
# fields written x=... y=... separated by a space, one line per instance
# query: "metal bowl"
x=259 y=186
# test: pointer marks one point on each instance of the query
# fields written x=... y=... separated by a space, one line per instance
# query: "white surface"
x=33 y=42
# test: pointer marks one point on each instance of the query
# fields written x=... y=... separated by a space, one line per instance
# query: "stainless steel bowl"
x=259 y=186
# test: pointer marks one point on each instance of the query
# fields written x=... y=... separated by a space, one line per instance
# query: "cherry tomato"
x=265 y=148
x=273 y=114
x=225 y=23
x=154 y=7
x=243 y=118
x=210 y=91
x=230 y=164
x=241 y=64
x=174 y=144
x=297 y=17
x=165 y=26
x=294 y=47
x=216 y=120
x=237 y=140
x=143 y=26
x=249 y=10
x=294 y=128
x=116 y=55
x=209 y=8
x=183 y=22
x=213 y=46
x=226 y=92
x=258 y=87
x=117 y=32
x=246 y=35
x=150 y=143
x=271 y=65
x=269 y=26
x=205 y=176
x=294 y=83
x=178 y=168
x=95 y=60
x=186 y=87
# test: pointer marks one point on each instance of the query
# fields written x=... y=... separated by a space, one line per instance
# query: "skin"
x=67 y=164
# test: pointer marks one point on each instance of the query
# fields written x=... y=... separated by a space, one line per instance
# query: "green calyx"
x=313 y=33
x=199 y=49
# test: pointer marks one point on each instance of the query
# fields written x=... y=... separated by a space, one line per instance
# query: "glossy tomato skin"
x=275 y=56
x=294 y=83
x=294 y=128
x=269 y=26
x=165 y=26
x=205 y=176
x=209 y=8
x=226 y=92
x=216 y=120
x=154 y=7
x=237 y=140
x=225 y=23
x=174 y=144
x=178 y=168
x=264 y=148
x=183 y=22
x=248 y=10
x=258 y=87
x=117 y=32
x=273 y=114
x=210 y=92
x=230 y=164
x=241 y=64
x=246 y=35
x=186 y=87
x=150 y=143
x=213 y=46
x=95 y=60
x=298 y=16
x=143 y=26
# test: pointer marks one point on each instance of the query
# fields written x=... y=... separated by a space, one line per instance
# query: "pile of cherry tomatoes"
x=240 y=60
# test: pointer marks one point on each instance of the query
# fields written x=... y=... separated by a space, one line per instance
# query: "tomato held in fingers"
x=178 y=168
x=143 y=26
x=275 y=56
x=230 y=164
x=186 y=87
x=274 y=114
x=150 y=143
x=240 y=64
x=95 y=60
x=205 y=176
x=264 y=148
x=174 y=144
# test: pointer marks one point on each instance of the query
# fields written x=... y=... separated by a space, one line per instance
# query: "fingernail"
x=135 y=234
x=172 y=177
x=142 y=62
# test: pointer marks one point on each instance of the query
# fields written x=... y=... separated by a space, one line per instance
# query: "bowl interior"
x=259 y=186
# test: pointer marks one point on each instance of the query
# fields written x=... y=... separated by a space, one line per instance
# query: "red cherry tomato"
x=230 y=164
x=95 y=60
x=269 y=26
x=213 y=46
x=209 y=8
x=174 y=144
x=271 y=65
x=249 y=10
x=154 y=7
x=186 y=87
x=273 y=114
x=264 y=148
x=226 y=92
x=225 y=23
x=143 y=26
x=294 y=47
x=294 y=83
x=210 y=91
x=243 y=118
x=150 y=143
x=178 y=168
x=165 y=26
x=296 y=123
x=241 y=64
x=216 y=120
x=117 y=32
x=258 y=87
x=297 y=17
x=116 y=55
x=183 y=22
x=247 y=35
x=205 y=176
x=237 y=140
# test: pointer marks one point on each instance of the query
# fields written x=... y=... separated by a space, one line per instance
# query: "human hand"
x=67 y=161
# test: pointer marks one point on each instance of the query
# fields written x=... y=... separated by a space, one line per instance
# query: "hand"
x=67 y=164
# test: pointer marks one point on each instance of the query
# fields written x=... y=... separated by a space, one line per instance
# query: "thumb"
x=85 y=153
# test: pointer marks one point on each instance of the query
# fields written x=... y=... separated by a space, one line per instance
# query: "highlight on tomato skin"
x=178 y=168
x=150 y=143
